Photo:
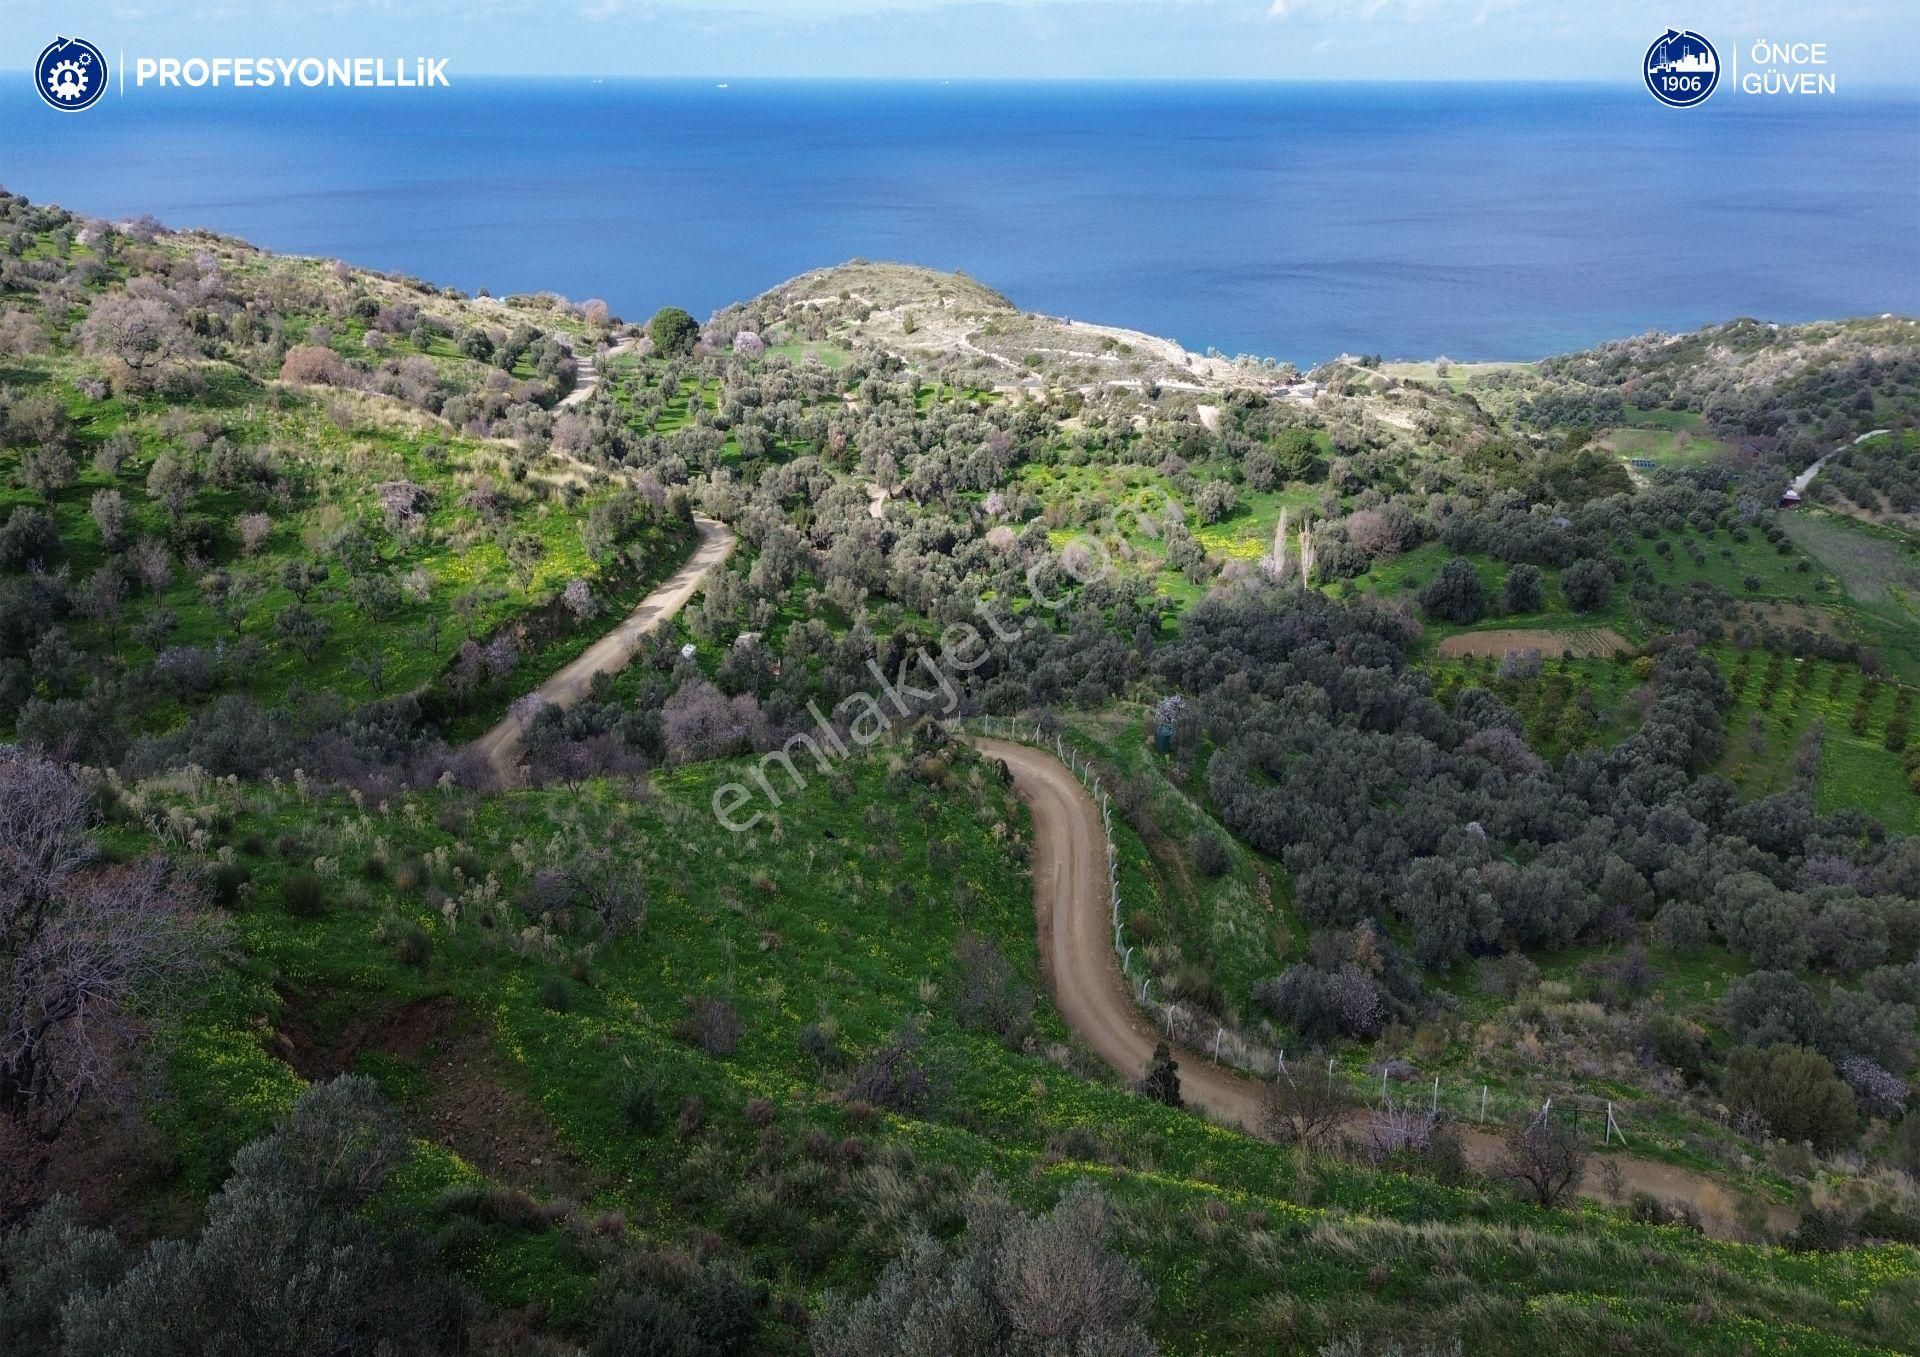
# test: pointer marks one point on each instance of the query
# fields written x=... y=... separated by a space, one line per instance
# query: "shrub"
x=1455 y=594
x=1903 y=1146
x=50 y=1258
x=1210 y=853
x=693 y=1116
x=819 y=1043
x=415 y=946
x=336 y=1147
x=227 y=881
x=1321 y=1005
x=1306 y=1107
x=1682 y=925
x=303 y=894
x=284 y=1263
x=893 y=1076
x=1586 y=585
x=710 y=1023
x=556 y=995
x=28 y=538
x=989 y=996
x=312 y=365
x=1674 y=1042
x=1544 y=1159
x=1162 y=1079
x=1794 y=1090
x=1878 y=1091
x=663 y=1304
x=640 y=1105
x=1522 y=592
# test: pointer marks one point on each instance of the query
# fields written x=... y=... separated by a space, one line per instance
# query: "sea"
x=1296 y=221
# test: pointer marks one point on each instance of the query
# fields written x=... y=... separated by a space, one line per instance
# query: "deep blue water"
x=1292 y=220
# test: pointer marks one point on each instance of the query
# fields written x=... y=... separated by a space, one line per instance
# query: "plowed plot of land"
x=1585 y=642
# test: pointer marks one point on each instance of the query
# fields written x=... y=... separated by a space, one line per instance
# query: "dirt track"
x=1585 y=642
x=1076 y=954
x=611 y=652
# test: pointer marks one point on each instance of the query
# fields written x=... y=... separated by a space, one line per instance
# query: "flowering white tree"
x=579 y=600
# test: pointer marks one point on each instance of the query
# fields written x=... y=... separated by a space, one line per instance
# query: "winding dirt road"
x=1076 y=954
x=503 y=743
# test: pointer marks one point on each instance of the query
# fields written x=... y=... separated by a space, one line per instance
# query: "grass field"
x=828 y=355
x=1663 y=445
x=1879 y=569
x=529 y=1059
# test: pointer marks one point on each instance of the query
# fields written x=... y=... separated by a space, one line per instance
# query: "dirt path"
x=611 y=652
x=1585 y=642
x=1076 y=955
x=587 y=376
x=1805 y=478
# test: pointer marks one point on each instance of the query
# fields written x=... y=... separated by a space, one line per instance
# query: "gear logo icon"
x=71 y=74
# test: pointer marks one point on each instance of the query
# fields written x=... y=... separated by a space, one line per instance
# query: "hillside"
x=498 y=855
x=975 y=337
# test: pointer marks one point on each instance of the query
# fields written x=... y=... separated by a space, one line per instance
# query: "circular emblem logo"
x=1681 y=68
x=71 y=74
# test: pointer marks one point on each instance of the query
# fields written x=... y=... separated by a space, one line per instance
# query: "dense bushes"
x=286 y=1265
x=1794 y=1091
x=1331 y=753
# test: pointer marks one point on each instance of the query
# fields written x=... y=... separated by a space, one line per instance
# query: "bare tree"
x=78 y=940
x=1306 y=1109
x=614 y=893
x=1396 y=1130
x=1543 y=1157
